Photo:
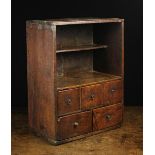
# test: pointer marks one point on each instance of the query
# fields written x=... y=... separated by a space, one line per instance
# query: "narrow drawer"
x=91 y=96
x=74 y=125
x=68 y=101
x=112 y=92
x=107 y=116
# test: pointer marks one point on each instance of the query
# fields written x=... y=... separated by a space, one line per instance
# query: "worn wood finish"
x=127 y=140
x=70 y=36
x=91 y=96
x=107 y=116
x=82 y=48
x=68 y=101
x=41 y=82
x=74 y=62
x=74 y=125
x=76 y=79
x=112 y=92
x=74 y=67
x=109 y=60
x=73 y=21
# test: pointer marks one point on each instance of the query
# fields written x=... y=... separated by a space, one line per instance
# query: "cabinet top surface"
x=68 y=21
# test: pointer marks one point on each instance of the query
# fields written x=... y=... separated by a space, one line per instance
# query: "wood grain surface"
x=107 y=116
x=113 y=92
x=74 y=125
x=91 y=96
x=41 y=82
x=68 y=21
x=127 y=140
x=68 y=101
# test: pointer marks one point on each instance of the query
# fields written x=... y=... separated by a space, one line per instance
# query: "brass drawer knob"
x=108 y=117
x=68 y=101
x=113 y=90
x=76 y=124
x=92 y=96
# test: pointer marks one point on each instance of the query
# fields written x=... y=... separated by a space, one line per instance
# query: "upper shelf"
x=81 y=48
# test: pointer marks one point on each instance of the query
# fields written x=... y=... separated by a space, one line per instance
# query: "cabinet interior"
x=88 y=53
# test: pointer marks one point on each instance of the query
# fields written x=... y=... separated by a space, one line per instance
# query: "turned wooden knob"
x=108 y=117
x=92 y=96
x=113 y=90
x=68 y=101
x=76 y=124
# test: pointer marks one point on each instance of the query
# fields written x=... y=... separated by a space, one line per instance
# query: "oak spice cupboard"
x=75 y=77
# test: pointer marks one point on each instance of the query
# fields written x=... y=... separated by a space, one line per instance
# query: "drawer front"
x=68 y=101
x=74 y=125
x=107 y=116
x=91 y=96
x=112 y=92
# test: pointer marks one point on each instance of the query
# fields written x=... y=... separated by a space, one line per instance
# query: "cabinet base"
x=55 y=142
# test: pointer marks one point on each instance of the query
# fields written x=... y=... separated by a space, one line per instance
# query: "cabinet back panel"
x=109 y=60
x=74 y=62
x=74 y=35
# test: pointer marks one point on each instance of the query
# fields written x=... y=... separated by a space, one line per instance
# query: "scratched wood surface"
x=127 y=140
x=68 y=21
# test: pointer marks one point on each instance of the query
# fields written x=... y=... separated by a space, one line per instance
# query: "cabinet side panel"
x=41 y=78
x=109 y=60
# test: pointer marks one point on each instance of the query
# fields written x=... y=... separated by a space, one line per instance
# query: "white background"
x=5 y=77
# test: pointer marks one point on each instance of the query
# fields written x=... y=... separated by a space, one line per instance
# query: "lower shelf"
x=75 y=79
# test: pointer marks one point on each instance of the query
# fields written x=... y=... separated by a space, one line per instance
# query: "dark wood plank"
x=82 y=48
x=76 y=79
x=109 y=60
x=74 y=62
x=73 y=36
x=41 y=79
x=72 y=21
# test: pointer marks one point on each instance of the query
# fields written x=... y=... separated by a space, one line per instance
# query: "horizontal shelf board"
x=71 y=21
x=81 y=48
x=76 y=79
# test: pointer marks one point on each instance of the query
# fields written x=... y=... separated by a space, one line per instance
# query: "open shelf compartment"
x=102 y=61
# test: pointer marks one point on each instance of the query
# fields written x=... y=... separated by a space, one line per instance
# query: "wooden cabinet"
x=75 y=76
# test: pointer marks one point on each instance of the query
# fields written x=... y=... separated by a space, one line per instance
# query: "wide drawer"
x=68 y=101
x=107 y=116
x=112 y=92
x=91 y=96
x=74 y=125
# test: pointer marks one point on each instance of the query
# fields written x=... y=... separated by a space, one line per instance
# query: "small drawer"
x=68 y=101
x=74 y=125
x=91 y=96
x=112 y=92
x=107 y=116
